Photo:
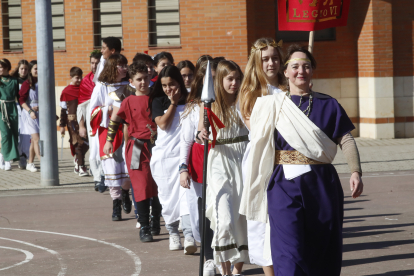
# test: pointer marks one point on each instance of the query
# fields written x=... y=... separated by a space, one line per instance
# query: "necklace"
x=309 y=108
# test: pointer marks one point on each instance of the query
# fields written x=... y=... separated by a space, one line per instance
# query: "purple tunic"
x=306 y=213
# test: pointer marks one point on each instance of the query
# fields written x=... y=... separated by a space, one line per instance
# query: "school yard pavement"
x=67 y=230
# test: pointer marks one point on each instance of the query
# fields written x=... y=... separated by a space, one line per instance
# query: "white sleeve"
x=186 y=139
x=98 y=100
x=63 y=105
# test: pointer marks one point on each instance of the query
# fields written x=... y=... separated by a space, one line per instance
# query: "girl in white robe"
x=224 y=173
x=263 y=76
x=166 y=102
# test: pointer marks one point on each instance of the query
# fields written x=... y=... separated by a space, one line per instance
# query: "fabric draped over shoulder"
x=270 y=112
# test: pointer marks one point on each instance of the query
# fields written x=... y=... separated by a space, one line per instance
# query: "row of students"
x=19 y=125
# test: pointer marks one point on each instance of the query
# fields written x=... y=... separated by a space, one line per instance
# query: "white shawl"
x=270 y=112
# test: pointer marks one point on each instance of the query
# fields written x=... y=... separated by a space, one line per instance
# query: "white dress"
x=28 y=125
x=114 y=170
x=164 y=169
x=189 y=126
x=256 y=230
x=224 y=191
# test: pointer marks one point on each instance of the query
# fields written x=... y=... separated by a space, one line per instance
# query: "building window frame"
x=165 y=32
x=8 y=28
x=98 y=34
x=58 y=28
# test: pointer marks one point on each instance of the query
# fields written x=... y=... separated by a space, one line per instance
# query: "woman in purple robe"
x=304 y=194
x=306 y=212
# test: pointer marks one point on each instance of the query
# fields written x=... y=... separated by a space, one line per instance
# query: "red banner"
x=312 y=15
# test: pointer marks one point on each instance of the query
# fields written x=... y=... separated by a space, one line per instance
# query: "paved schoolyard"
x=67 y=230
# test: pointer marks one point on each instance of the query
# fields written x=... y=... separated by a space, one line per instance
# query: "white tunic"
x=164 y=169
x=256 y=230
x=115 y=170
x=189 y=126
x=28 y=125
x=224 y=191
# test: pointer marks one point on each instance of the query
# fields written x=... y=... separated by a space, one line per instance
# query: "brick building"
x=367 y=65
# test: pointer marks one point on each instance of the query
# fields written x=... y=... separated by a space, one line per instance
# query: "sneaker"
x=145 y=234
x=22 y=163
x=75 y=161
x=190 y=246
x=83 y=171
x=7 y=166
x=1 y=162
x=97 y=185
x=175 y=242
x=138 y=226
x=31 y=167
x=76 y=170
x=209 y=268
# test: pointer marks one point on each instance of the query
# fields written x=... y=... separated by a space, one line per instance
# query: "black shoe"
x=117 y=213
x=97 y=186
x=145 y=234
x=155 y=226
x=126 y=201
x=102 y=188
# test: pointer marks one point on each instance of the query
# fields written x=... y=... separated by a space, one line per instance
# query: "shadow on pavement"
x=374 y=245
x=395 y=273
x=378 y=260
x=254 y=271
x=369 y=233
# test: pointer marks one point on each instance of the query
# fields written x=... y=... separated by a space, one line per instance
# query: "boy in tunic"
x=140 y=139
x=69 y=104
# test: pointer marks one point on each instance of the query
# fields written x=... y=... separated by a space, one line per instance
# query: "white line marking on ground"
x=134 y=257
x=29 y=257
x=63 y=266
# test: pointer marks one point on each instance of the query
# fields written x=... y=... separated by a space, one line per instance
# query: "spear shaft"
x=203 y=200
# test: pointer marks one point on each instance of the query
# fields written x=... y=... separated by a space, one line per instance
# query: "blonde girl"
x=263 y=76
x=224 y=177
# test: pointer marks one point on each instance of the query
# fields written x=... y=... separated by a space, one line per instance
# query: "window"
x=107 y=20
x=12 y=25
x=164 y=23
x=296 y=36
x=58 y=25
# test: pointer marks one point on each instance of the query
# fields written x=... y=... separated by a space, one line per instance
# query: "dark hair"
x=5 y=63
x=297 y=48
x=170 y=71
x=186 y=64
x=32 y=80
x=218 y=59
x=113 y=43
x=142 y=57
x=15 y=73
x=75 y=71
x=200 y=60
x=96 y=54
x=137 y=67
x=110 y=70
x=163 y=55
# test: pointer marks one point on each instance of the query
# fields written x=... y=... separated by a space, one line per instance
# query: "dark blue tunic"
x=306 y=213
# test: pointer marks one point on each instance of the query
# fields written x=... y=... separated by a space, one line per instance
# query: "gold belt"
x=293 y=157
x=237 y=139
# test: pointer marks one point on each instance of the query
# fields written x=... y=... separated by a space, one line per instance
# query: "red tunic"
x=134 y=110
